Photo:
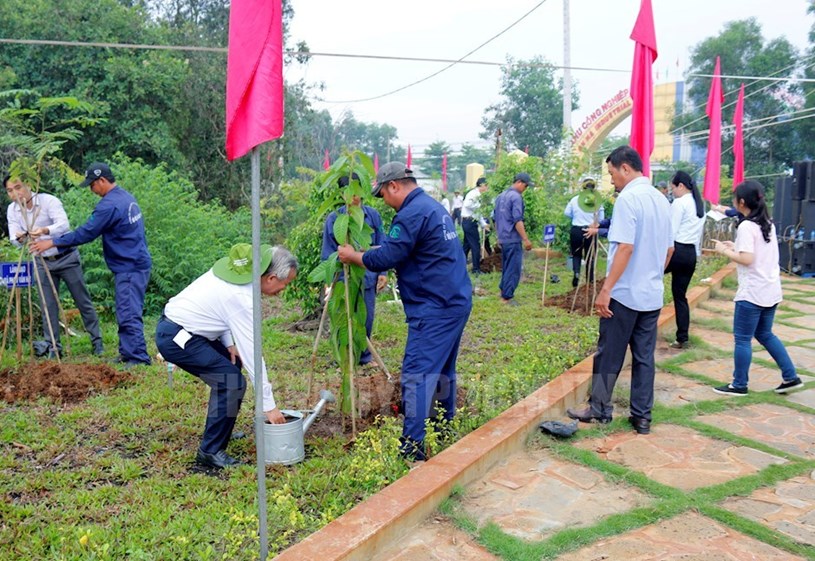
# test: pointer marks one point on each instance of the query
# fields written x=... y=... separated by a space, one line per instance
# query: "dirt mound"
x=376 y=397
x=65 y=383
x=492 y=262
x=583 y=302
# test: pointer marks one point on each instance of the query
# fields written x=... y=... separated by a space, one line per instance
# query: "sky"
x=449 y=107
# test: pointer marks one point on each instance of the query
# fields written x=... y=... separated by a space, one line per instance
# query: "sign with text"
x=549 y=233
x=9 y=272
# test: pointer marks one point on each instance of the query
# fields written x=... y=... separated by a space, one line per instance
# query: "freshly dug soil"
x=583 y=305
x=65 y=383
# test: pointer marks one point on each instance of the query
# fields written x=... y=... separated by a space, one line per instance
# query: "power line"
x=513 y=24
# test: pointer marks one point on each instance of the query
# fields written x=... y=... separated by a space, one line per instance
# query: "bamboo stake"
x=60 y=309
x=8 y=305
x=45 y=312
x=351 y=361
x=317 y=340
x=379 y=360
x=19 y=325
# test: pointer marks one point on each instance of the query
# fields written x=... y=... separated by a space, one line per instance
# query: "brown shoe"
x=586 y=416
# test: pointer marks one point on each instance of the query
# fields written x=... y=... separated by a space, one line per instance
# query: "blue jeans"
x=751 y=321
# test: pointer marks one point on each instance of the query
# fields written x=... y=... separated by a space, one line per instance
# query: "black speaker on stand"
x=794 y=218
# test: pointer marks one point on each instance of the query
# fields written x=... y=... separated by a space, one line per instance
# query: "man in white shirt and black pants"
x=41 y=216
x=207 y=330
x=584 y=209
x=471 y=220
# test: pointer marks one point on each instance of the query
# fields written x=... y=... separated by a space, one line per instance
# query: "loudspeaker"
x=797 y=257
x=803 y=181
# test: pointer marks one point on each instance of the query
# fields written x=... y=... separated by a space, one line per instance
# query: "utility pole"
x=567 y=72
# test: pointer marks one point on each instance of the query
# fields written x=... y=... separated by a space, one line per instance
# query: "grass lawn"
x=112 y=477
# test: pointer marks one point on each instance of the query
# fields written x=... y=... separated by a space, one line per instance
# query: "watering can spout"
x=325 y=397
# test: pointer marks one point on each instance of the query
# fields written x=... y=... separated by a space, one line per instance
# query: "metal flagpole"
x=263 y=529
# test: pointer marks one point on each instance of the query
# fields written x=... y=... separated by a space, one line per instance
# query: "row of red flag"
x=642 y=114
x=254 y=90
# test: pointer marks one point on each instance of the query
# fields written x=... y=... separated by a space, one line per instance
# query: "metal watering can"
x=283 y=444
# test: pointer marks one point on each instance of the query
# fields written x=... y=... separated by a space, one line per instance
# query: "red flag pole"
x=738 y=140
x=713 y=162
x=409 y=157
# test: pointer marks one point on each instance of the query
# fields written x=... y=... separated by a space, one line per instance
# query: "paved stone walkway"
x=718 y=478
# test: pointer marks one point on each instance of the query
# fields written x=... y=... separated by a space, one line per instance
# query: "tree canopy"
x=530 y=113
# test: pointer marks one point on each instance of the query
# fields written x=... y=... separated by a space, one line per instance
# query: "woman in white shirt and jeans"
x=755 y=251
x=687 y=219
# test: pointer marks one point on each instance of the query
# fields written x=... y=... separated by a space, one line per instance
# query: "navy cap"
x=97 y=170
x=523 y=177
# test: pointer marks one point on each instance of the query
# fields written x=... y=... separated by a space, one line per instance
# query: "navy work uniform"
x=423 y=248
x=118 y=219
x=373 y=220
x=509 y=210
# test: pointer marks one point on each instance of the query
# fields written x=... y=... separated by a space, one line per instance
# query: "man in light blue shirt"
x=641 y=244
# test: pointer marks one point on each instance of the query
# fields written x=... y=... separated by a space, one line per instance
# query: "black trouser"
x=472 y=242
x=457 y=215
x=580 y=246
x=681 y=267
x=626 y=328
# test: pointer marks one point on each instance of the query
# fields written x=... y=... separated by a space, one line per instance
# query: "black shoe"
x=219 y=460
x=642 y=426
x=98 y=349
x=575 y=281
x=730 y=390
x=586 y=416
x=787 y=386
x=679 y=345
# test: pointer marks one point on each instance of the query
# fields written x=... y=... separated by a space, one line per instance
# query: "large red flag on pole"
x=409 y=157
x=444 y=172
x=713 y=163
x=254 y=75
x=738 y=140
x=642 y=85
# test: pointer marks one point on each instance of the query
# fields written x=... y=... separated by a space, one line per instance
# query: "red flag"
x=642 y=85
x=738 y=140
x=376 y=163
x=409 y=157
x=326 y=161
x=444 y=172
x=254 y=75
x=713 y=163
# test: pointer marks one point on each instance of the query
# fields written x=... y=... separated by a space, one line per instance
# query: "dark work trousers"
x=457 y=215
x=209 y=361
x=580 y=248
x=130 y=289
x=429 y=376
x=370 y=306
x=511 y=263
x=681 y=267
x=626 y=328
x=472 y=242
x=66 y=268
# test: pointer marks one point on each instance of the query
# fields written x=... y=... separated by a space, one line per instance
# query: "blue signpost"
x=14 y=275
x=548 y=238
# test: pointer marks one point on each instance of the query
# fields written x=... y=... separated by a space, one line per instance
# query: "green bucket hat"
x=588 y=200
x=236 y=268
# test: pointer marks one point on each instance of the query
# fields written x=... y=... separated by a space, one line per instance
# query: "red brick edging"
x=388 y=515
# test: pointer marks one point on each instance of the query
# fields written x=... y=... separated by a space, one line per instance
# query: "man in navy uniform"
x=423 y=248
x=509 y=223
x=373 y=282
x=118 y=219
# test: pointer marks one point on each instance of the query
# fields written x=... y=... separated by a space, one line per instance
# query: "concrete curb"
x=390 y=514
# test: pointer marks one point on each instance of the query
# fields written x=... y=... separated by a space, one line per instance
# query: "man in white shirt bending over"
x=207 y=331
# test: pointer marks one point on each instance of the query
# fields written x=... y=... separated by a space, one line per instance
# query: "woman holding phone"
x=755 y=251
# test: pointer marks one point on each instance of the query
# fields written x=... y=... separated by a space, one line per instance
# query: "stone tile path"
x=534 y=495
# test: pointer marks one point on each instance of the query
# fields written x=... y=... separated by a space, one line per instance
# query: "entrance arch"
x=597 y=126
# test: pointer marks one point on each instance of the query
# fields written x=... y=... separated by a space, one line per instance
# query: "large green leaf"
x=341 y=228
x=321 y=272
